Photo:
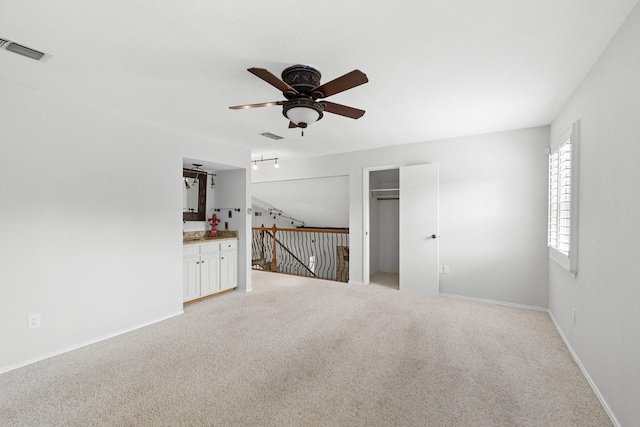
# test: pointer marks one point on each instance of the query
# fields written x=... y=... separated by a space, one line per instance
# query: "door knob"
x=433 y=236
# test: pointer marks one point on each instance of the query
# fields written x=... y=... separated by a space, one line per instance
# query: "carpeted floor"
x=304 y=352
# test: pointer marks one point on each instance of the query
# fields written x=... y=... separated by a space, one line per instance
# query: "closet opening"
x=384 y=223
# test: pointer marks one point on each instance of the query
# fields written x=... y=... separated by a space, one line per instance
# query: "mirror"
x=194 y=196
x=190 y=193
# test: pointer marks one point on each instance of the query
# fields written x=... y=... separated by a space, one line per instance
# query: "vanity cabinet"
x=228 y=265
x=208 y=268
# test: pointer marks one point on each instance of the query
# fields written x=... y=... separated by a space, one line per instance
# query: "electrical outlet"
x=34 y=320
x=441 y=269
x=446 y=269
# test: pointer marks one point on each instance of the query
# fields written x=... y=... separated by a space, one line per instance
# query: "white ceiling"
x=436 y=68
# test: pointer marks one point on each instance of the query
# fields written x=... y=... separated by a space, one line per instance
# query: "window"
x=563 y=206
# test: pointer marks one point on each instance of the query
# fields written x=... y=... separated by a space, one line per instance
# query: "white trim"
x=353 y=282
x=575 y=198
x=586 y=374
x=570 y=263
x=83 y=344
x=573 y=273
x=489 y=301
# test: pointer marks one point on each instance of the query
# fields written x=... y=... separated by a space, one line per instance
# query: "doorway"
x=384 y=227
x=400 y=221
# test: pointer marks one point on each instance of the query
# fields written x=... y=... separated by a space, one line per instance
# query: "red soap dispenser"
x=214 y=226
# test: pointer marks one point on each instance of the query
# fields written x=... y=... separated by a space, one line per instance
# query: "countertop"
x=207 y=239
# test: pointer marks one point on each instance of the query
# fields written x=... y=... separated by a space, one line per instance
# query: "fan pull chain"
x=302 y=132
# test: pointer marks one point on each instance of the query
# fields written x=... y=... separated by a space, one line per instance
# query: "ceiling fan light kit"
x=300 y=85
x=302 y=112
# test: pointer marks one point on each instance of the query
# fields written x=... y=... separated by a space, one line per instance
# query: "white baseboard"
x=585 y=373
x=489 y=301
x=353 y=282
x=83 y=344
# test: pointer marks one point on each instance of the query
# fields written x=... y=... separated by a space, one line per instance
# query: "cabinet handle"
x=202 y=262
x=197 y=262
x=222 y=258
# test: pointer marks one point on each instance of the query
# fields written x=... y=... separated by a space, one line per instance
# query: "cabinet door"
x=209 y=273
x=228 y=270
x=190 y=277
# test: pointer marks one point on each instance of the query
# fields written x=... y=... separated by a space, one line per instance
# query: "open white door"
x=419 y=229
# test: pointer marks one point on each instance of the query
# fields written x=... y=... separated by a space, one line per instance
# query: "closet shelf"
x=380 y=194
x=384 y=189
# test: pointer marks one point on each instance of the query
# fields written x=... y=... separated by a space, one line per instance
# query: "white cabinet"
x=190 y=277
x=208 y=268
x=228 y=265
x=209 y=273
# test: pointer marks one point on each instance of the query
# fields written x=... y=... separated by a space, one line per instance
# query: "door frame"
x=366 y=248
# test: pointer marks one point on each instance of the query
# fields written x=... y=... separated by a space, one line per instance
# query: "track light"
x=262 y=159
x=200 y=174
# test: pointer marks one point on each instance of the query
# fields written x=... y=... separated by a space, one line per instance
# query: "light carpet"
x=305 y=352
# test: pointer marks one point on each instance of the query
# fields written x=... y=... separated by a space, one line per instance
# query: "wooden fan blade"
x=348 y=81
x=264 y=104
x=292 y=125
x=272 y=80
x=342 y=110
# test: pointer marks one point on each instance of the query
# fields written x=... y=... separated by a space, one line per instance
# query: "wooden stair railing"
x=309 y=241
x=273 y=261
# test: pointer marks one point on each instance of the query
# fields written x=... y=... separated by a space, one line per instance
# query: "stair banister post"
x=273 y=260
x=262 y=241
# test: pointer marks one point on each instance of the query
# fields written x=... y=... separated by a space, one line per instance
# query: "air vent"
x=271 y=135
x=14 y=47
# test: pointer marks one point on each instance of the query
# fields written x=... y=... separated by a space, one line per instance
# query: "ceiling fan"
x=300 y=85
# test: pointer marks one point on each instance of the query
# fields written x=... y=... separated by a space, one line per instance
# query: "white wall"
x=389 y=248
x=606 y=292
x=268 y=220
x=493 y=209
x=318 y=202
x=91 y=221
x=233 y=192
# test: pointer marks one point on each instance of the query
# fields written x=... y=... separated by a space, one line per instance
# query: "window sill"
x=572 y=273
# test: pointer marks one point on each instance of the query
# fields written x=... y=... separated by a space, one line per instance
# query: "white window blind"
x=560 y=198
x=562 y=225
